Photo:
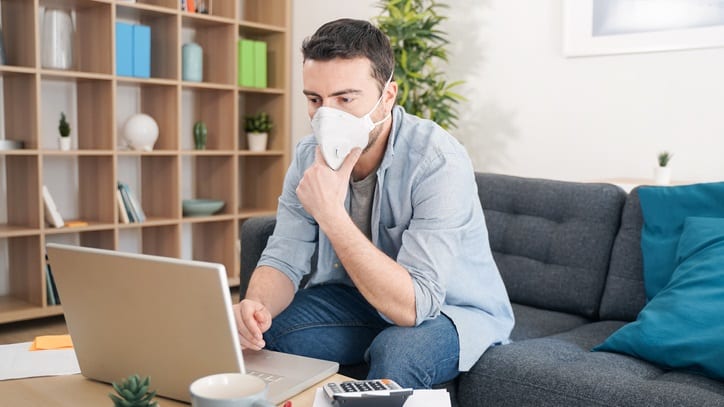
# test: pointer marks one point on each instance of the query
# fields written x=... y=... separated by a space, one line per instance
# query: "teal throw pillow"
x=664 y=210
x=681 y=327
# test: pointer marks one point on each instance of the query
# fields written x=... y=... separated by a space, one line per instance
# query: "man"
x=405 y=279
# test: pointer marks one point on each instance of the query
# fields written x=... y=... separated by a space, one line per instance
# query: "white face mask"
x=338 y=132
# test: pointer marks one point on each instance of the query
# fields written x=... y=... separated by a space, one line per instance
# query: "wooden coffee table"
x=77 y=391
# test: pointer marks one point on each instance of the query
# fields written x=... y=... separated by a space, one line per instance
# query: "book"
x=135 y=212
x=122 y=211
x=124 y=49
x=49 y=298
x=52 y=216
x=246 y=62
x=51 y=289
x=141 y=51
x=260 y=64
x=123 y=189
x=76 y=223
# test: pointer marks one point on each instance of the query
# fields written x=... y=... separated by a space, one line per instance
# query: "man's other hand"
x=252 y=320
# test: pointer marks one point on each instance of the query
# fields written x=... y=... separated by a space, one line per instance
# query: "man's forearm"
x=385 y=284
x=272 y=288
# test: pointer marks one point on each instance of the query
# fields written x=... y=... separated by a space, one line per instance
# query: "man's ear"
x=390 y=95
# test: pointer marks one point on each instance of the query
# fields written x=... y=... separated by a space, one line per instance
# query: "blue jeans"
x=335 y=322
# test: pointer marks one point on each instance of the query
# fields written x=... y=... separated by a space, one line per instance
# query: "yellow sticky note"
x=51 y=342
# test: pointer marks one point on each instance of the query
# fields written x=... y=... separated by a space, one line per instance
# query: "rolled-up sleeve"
x=292 y=244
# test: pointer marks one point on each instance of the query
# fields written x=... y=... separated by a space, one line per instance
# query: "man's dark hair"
x=347 y=39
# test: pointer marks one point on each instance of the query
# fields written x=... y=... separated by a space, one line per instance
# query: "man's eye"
x=346 y=100
x=313 y=100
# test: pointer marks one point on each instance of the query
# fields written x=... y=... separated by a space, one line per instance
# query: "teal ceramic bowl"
x=201 y=207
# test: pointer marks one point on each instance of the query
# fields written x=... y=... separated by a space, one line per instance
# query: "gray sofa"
x=570 y=256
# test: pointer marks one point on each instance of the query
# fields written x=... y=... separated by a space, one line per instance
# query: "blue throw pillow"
x=664 y=210
x=682 y=326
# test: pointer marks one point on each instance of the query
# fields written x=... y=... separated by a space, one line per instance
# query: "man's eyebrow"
x=337 y=93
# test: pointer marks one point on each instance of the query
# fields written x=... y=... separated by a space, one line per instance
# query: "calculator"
x=367 y=393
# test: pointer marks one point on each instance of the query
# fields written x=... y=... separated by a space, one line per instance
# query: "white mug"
x=229 y=390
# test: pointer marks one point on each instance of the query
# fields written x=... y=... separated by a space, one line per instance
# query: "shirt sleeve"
x=446 y=209
x=291 y=246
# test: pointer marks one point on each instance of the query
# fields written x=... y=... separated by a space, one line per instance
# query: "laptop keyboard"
x=269 y=378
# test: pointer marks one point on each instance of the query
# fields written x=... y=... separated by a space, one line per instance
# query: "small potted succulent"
x=662 y=172
x=257 y=130
x=64 y=130
x=133 y=392
x=200 y=135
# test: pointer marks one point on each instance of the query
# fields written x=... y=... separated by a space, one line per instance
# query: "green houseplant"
x=64 y=130
x=200 y=135
x=257 y=130
x=662 y=172
x=133 y=392
x=420 y=47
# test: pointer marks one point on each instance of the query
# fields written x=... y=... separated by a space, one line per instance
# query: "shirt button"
x=336 y=265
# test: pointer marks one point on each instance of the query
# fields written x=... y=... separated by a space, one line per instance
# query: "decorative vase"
x=57 y=39
x=200 y=133
x=662 y=175
x=256 y=141
x=140 y=132
x=193 y=62
x=64 y=143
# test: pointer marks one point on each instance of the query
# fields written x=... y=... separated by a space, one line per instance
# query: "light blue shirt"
x=426 y=215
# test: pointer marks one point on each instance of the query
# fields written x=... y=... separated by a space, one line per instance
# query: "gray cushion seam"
x=527 y=384
x=543 y=262
x=567 y=219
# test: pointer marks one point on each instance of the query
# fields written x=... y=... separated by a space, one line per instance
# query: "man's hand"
x=252 y=320
x=323 y=190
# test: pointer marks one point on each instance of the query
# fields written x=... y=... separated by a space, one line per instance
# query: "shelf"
x=97 y=104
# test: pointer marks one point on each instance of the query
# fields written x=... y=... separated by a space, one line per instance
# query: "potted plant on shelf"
x=257 y=131
x=200 y=133
x=133 y=392
x=662 y=172
x=64 y=130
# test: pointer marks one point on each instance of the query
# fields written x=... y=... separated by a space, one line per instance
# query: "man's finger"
x=350 y=161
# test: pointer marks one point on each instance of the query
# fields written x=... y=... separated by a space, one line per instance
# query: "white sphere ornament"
x=140 y=132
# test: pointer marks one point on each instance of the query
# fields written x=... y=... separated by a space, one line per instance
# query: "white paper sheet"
x=17 y=362
x=419 y=398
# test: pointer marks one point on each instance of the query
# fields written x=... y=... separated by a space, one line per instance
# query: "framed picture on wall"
x=606 y=27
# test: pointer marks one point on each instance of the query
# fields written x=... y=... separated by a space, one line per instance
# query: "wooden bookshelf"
x=97 y=103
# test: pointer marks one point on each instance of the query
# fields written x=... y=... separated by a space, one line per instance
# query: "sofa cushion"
x=560 y=370
x=551 y=239
x=681 y=326
x=624 y=295
x=664 y=210
x=531 y=322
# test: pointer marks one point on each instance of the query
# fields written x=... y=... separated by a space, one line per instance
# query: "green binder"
x=246 y=62
x=260 y=64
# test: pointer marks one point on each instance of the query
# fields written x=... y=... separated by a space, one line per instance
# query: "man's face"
x=344 y=84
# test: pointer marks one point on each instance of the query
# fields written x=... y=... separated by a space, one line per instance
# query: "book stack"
x=252 y=63
x=129 y=208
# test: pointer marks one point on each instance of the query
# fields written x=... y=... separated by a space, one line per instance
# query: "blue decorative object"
x=681 y=326
x=124 y=49
x=664 y=210
x=141 y=51
x=193 y=62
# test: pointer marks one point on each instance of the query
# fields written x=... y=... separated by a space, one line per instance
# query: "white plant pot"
x=662 y=175
x=64 y=143
x=257 y=141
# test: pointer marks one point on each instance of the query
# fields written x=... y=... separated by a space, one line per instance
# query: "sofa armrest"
x=255 y=233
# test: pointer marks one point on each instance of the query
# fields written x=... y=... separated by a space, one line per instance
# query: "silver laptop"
x=165 y=318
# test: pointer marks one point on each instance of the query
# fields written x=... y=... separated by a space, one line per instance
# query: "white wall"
x=533 y=112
